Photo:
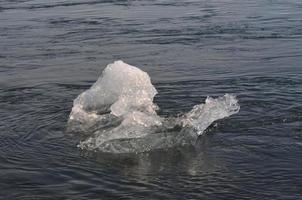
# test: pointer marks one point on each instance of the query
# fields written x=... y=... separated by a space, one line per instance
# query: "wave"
x=118 y=115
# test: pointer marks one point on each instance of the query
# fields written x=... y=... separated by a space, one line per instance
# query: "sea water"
x=194 y=52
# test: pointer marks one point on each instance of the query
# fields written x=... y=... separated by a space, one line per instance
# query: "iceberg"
x=118 y=115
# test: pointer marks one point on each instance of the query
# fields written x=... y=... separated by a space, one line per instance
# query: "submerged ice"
x=117 y=114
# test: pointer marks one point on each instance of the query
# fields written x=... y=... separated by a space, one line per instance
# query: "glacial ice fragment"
x=117 y=114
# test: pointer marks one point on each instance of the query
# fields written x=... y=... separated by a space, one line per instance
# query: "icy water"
x=51 y=51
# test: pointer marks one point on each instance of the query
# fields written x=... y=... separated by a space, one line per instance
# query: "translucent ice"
x=121 y=89
x=117 y=114
x=203 y=115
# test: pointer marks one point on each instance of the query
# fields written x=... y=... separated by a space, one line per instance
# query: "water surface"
x=51 y=51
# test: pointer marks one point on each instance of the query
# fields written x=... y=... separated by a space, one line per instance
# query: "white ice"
x=119 y=105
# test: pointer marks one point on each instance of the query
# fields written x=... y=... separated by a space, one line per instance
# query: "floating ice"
x=203 y=115
x=117 y=114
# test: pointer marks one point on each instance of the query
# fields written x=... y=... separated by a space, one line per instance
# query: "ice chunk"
x=122 y=91
x=117 y=114
x=120 y=88
x=203 y=115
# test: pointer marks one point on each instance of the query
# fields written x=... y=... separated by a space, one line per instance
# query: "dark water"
x=50 y=51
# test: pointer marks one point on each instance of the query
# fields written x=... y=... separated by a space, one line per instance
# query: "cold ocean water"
x=52 y=51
